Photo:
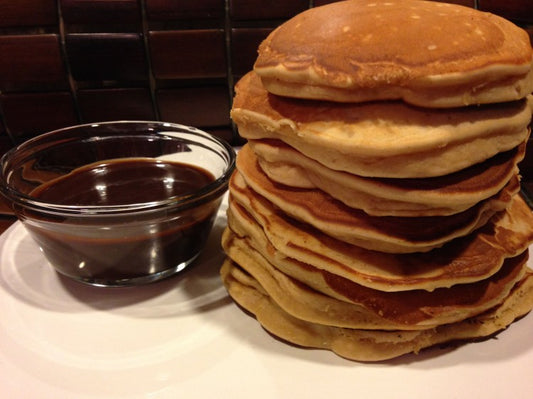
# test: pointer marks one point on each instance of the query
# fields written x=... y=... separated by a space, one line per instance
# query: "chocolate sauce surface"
x=124 y=181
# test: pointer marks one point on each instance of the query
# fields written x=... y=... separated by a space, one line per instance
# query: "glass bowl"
x=118 y=203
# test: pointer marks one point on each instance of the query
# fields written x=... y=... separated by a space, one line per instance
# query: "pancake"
x=371 y=345
x=386 y=234
x=438 y=196
x=375 y=211
x=381 y=139
x=355 y=306
x=426 y=53
x=466 y=260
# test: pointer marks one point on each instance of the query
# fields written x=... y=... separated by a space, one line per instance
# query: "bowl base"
x=133 y=281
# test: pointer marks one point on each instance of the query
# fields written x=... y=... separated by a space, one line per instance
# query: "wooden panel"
x=518 y=10
x=3 y=131
x=115 y=14
x=467 y=3
x=107 y=56
x=168 y=10
x=195 y=106
x=225 y=133
x=244 y=43
x=30 y=114
x=319 y=3
x=529 y=30
x=5 y=143
x=188 y=54
x=115 y=104
x=16 y=13
x=258 y=9
x=31 y=61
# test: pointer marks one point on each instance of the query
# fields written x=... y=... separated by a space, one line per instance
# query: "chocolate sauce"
x=124 y=181
x=111 y=248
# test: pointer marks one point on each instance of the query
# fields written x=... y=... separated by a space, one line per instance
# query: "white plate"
x=184 y=338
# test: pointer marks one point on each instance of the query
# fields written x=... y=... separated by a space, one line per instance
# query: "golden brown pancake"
x=438 y=196
x=371 y=345
x=381 y=139
x=462 y=261
x=332 y=217
x=355 y=306
x=374 y=211
x=426 y=53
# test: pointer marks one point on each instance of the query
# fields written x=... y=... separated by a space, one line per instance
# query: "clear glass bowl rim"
x=209 y=192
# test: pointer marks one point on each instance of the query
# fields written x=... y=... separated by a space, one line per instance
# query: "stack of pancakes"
x=375 y=209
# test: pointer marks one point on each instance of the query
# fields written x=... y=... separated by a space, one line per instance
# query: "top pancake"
x=427 y=53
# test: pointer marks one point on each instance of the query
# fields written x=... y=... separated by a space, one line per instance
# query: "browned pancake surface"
x=438 y=196
x=464 y=260
x=385 y=233
x=371 y=345
x=356 y=306
x=389 y=49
